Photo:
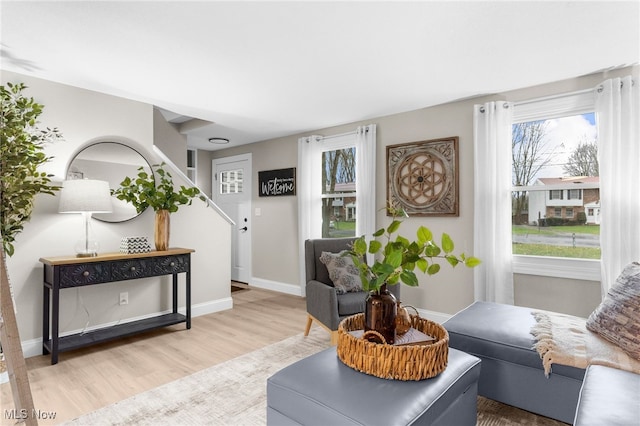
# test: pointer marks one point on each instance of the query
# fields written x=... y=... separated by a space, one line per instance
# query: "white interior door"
x=231 y=190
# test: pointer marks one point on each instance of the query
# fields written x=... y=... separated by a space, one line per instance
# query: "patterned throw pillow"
x=617 y=319
x=343 y=273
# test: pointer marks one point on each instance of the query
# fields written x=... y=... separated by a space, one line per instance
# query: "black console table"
x=70 y=272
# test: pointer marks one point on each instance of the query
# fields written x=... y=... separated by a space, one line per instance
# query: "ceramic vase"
x=162 y=227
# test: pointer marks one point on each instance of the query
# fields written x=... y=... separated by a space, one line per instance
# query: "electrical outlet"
x=124 y=298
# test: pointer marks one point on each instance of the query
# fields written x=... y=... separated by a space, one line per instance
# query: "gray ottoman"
x=512 y=370
x=321 y=390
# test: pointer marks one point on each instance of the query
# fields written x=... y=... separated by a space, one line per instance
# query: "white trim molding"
x=292 y=289
x=561 y=267
x=434 y=316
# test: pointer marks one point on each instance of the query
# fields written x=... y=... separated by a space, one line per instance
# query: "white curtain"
x=618 y=114
x=309 y=196
x=493 y=279
x=309 y=175
x=365 y=180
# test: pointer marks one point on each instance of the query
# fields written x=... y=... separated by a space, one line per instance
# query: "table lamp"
x=85 y=196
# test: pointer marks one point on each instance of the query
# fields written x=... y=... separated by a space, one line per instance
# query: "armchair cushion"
x=351 y=303
x=342 y=272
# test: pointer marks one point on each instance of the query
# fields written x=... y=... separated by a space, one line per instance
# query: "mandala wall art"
x=422 y=177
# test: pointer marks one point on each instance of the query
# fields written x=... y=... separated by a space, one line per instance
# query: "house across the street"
x=565 y=198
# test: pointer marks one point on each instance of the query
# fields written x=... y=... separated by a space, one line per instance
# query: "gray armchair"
x=324 y=305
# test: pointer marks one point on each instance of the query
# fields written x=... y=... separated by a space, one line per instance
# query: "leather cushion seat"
x=321 y=390
x=609 y=397
x=501 y=332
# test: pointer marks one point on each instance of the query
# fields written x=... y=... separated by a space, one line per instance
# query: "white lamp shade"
x=85 y=195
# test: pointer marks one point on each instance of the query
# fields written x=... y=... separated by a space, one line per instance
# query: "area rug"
x=234 y=393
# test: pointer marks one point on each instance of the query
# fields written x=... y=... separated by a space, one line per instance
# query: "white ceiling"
x=259 y=70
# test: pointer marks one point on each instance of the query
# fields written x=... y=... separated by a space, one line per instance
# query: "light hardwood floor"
x=90 y=378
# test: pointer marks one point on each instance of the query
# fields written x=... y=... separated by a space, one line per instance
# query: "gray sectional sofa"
x=512 y=371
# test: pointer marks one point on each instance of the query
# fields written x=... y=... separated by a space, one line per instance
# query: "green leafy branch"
x=397 y=258
x=21 y=154
x=142 y=191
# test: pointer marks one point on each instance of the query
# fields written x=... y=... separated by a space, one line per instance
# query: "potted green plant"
x=163 y=198
x=396 y=260
x=22 y=153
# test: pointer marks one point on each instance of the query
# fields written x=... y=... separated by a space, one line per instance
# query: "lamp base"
x=87 y=254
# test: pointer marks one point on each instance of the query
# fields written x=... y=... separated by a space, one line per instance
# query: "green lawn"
x=551 y=230
x=556 y=251
x=344 y=226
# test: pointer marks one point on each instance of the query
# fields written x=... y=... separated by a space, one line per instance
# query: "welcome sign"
x=279 y=182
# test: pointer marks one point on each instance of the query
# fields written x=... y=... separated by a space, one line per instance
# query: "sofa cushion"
x=617 y=318
x=342 y=272
x=608 y=397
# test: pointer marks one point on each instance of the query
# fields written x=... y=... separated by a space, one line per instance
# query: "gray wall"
x=85 y=117
x=275 y=237
x=171 y=142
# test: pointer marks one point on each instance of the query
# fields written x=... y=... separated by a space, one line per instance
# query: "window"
x=191 y=164
x=339 y=193
x=334 y=173
x=554 y=152
x=555 y=194
x=574 y=194
x=231 y=182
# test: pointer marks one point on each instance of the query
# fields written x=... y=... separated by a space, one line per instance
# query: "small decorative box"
x=134 y=245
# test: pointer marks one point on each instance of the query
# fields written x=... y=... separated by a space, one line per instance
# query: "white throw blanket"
x=564 y=339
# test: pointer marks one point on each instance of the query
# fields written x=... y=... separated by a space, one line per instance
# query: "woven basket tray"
x=410 y=362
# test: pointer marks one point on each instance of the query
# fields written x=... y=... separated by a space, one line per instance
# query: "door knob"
x=244 y=229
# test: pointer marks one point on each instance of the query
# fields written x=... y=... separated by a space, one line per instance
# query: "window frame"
x=548 y=108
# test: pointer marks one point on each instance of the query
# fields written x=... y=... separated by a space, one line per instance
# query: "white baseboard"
x=276 y=286
x=434 y=316
x=33 y=347
x=211 y=307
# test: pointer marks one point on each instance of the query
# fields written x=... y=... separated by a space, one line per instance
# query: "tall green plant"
x=21 y=147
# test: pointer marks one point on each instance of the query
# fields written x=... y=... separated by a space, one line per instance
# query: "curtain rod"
x=353 y=132
x=557 y=96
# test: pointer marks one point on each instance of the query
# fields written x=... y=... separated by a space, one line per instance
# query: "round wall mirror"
x=111 y=162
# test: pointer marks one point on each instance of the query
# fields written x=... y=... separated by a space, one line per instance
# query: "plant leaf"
x=453 y=261
x=409 y=278
x=447 y=243
x=393 y=227
x=472 y=262
x=424 y=235
x=374 y=246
